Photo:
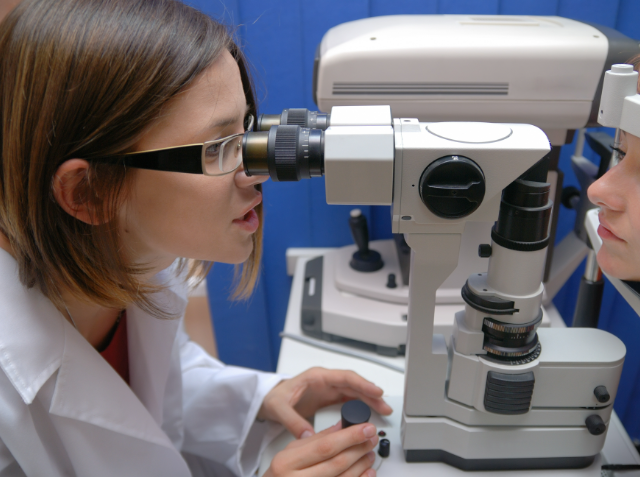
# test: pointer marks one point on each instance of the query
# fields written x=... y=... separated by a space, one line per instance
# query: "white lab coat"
x=65 y=412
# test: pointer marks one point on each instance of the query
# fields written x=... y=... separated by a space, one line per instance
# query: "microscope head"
x=545 y=71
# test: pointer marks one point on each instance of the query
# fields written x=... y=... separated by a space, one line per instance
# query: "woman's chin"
x=615 y=267
x=233 y=257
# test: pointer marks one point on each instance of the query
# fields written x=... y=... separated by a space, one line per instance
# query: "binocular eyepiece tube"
x=294 y=117
x=285 y=153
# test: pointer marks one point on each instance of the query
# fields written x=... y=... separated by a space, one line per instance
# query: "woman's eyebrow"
x=230 y=120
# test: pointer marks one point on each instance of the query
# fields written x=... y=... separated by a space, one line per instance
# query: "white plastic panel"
x=630 y=119
x=619 y=82
x=520 y=69
x=360 y=116
x=358 y=165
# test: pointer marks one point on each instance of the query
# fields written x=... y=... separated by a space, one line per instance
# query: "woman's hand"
x=295 y=399
x=332 y=452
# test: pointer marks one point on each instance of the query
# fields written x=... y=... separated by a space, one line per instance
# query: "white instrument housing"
x=544 y=71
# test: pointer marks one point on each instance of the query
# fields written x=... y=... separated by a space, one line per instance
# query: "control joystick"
x=364 y=259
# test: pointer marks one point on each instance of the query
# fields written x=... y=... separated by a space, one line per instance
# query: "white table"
x=296 y=357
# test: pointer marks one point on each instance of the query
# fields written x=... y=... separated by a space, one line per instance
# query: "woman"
x=93 y=241
x=617 y=193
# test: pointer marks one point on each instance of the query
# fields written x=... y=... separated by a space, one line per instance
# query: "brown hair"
x=83 y=78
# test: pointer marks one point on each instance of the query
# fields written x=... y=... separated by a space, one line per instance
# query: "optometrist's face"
x=170 y=215
x=617 y=193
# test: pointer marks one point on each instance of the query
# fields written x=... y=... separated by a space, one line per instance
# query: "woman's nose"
x=243 y=180
x=607 y=191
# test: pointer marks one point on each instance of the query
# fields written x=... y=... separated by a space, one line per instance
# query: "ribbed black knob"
x=297 y=117
x=285 y=153
x=384 y=448
x=595 y=425
x=354 y=412
x=601 y=394
x=484 y=250
x=391 y=281
x=452 y=187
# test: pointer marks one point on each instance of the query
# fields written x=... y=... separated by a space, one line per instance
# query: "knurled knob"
x=384 y=448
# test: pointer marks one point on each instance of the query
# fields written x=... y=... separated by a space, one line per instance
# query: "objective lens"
x=294 y=117
x=285 y=153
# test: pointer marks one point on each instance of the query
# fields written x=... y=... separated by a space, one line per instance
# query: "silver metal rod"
x=615 y=157
x=592 y=271
x=579 y=143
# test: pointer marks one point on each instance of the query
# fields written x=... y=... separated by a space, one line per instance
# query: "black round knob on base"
x=384 y=448
x=601 y=394
x=369 y=261
x=391 y=281
x=354 y=412
x=595 y=425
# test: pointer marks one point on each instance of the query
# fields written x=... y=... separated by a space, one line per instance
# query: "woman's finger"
x=286 y=415
x=343 y=461
x=377 y=404
x=360 y=467
x=305 y=440
x=327 y=447
x=352 y=380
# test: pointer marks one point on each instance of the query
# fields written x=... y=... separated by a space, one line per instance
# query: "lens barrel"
x=294 y=117
x=285 y=153
x=525 y=211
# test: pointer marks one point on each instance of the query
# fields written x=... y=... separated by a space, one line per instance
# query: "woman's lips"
x=607 y=234
x=249 y=222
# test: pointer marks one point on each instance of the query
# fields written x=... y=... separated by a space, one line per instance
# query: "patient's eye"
x=620 y=152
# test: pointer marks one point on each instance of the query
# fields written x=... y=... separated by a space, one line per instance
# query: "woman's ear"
x=72 y=191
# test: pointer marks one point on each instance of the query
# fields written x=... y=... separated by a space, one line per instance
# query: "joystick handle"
x=358 y=225
x=364 y=260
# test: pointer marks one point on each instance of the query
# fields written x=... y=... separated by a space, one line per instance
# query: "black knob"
x=570 y=197
x=595 y=425
x=354 y=412
x=484 y=250
x=384 y=448
x=364 y=260
x=452 y=187
x=601 y=393
x=391 y=281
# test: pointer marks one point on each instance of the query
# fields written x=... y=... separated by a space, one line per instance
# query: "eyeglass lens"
x=222 y=158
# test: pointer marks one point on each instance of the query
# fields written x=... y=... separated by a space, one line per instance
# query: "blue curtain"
x=280 y=38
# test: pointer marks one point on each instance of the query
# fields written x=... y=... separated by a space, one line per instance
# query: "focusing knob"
x=354 y=412
x=601 y=393
x=452 y=187
x=595 y=425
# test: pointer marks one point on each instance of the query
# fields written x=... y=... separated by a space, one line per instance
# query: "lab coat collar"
x=36 y=341
x=32 y=334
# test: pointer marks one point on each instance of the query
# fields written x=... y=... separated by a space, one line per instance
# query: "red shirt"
x=117 y=351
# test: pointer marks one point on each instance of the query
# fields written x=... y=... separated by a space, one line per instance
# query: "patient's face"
x=617 y=193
